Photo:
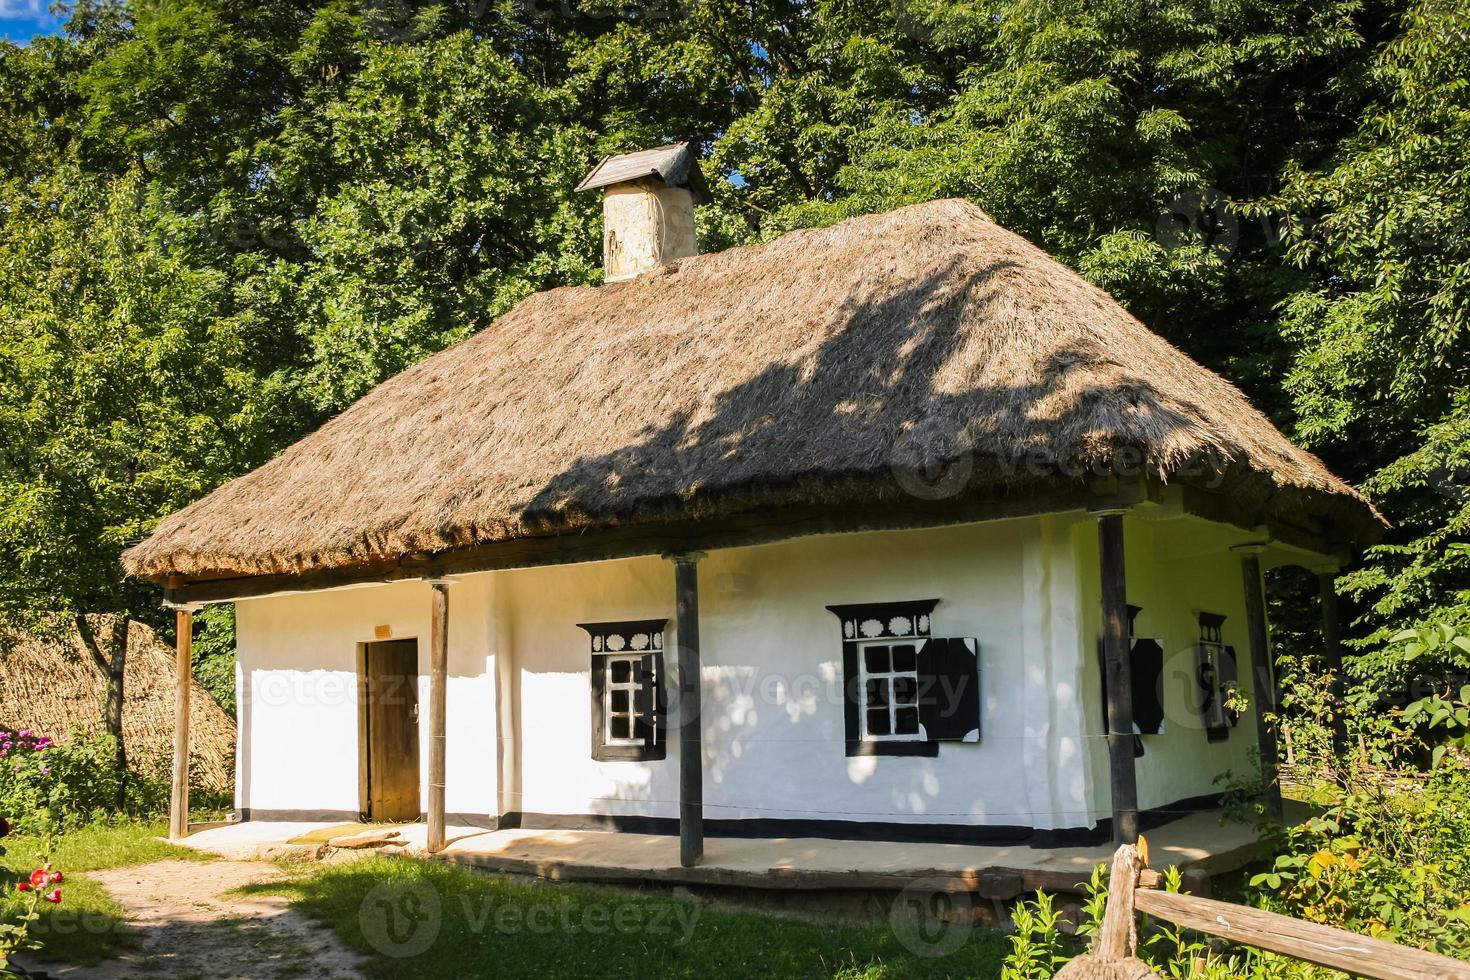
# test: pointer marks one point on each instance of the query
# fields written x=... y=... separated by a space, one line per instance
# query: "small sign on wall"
x=384 y=632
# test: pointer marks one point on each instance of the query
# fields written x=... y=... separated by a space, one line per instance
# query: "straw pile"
x=51 y=688
x=806 y=370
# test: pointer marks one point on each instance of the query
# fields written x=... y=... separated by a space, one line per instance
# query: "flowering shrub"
x=63 y=784
x=41 y=885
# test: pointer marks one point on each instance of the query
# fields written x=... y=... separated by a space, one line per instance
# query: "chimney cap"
x=675 y=164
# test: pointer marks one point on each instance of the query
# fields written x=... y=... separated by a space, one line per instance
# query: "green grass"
x=83 y=929
x=417 y=918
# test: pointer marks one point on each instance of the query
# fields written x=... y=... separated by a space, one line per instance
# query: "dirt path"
x=185 y=925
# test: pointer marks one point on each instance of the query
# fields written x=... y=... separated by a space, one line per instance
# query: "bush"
x=55 y=786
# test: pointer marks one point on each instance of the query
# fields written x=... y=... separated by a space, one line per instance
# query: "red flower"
x=56 y=877
x=54 y=896
x=22 y=886
x=39 y=877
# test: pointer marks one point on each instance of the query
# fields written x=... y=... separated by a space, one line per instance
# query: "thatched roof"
x=51 y=687
x=800 y=371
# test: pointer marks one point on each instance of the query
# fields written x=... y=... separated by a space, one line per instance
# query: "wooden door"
x=391 y=723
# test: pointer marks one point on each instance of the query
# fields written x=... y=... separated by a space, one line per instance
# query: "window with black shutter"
x=905 y=691
x=1217 y=677
x=628 y=701
x=1145 y=670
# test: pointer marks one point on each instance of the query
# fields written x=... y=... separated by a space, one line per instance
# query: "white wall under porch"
x=772 y=674
x=519 y=717
x=298 y=717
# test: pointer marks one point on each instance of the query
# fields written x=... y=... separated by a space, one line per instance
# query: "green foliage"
x=1382 y=346
x=214 y=653
x=1038 y=946
x=1391 y=858
x=59 y=786
x=88 y=926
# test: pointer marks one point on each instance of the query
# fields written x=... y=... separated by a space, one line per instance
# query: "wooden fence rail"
x=1114 y=955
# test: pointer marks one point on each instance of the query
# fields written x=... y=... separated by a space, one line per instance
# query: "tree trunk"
x=112 y=664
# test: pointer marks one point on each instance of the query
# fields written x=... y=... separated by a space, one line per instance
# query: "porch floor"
x=1198 y=842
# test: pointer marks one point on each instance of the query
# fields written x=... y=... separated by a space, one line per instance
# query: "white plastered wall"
x=298 y=683
x=773 y=712
x=1175 y=569
x=519 y=718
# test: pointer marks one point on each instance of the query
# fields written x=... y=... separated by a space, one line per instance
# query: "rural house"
x=896 y=529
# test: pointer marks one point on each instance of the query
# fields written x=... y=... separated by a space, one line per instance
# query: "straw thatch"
x=801 y=371
x=53 y=687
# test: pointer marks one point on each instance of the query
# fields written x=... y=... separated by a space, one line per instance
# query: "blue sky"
x=21 y=20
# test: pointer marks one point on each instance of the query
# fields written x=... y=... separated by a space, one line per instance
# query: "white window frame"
x=632 y=686
x=888 y=677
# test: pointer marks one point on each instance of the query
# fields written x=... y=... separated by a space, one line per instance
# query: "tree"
x=1382 y=328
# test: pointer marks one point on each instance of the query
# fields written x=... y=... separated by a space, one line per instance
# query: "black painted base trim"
x=299 y=816
x=906 y=833
x=1102 y=833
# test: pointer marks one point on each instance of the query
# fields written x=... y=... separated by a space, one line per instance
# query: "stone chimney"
x=648 y=201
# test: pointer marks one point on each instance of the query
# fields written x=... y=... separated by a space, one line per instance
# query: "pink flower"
x=39 y=877
x=25 y=734
x=45 y=771
x=54 y=896
x=56 y=877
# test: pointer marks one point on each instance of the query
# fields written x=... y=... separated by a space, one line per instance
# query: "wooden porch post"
x=1332 y=650
x=1265 y=672
x=1119 y=681
x=178 y=802
x=438 y=671
x=691 y=762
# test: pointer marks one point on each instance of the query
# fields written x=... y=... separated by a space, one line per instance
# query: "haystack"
x=52 y=688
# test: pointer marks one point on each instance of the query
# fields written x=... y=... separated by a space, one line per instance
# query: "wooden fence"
x=1133 y=889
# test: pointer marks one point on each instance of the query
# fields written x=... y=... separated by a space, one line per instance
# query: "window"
x=621 y=690
x=905 y=691
x=628 y=705
x=890 y=682
x=1217 y=676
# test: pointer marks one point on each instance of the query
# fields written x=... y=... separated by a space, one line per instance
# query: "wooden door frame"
x=364 y=769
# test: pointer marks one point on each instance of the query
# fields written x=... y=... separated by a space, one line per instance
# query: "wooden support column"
x=178 y=802
x=691 y=760
x=1119 y=681
x=438 y=679
x=1264 y=672
x=1332 y=651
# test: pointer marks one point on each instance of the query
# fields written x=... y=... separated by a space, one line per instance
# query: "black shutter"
x=949 y=690
x=1138 y=742
x=1147 y=669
